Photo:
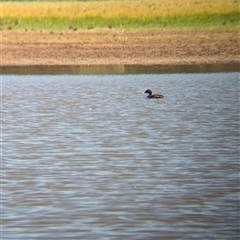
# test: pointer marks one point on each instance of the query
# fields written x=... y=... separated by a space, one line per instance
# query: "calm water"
x=90 y=157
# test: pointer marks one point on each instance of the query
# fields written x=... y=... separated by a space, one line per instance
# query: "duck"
x=150 y=95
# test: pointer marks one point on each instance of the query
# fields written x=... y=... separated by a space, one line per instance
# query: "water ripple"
x=89 y=157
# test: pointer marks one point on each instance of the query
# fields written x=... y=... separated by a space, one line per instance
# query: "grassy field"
x=129 y=14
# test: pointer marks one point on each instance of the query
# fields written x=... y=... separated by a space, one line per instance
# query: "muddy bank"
x=119 y=47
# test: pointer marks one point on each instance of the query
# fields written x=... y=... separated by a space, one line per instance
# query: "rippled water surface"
x=90 y=157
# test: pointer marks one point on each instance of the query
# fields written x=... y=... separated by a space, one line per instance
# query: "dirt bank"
x=103 y=47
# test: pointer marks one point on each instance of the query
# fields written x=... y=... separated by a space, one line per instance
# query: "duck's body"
x=150 y=95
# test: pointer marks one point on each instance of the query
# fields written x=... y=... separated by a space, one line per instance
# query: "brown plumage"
x=150 y=95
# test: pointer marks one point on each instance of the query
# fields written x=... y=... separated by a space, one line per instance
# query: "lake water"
x=90 y=157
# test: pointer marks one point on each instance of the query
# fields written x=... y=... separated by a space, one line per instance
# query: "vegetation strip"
x=68 y=15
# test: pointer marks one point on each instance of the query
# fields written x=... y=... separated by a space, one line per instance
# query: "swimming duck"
x=149 y=91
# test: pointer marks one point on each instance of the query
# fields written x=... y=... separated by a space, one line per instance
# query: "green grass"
x=131 y=14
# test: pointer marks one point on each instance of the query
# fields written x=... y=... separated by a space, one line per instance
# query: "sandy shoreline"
x=119 y=47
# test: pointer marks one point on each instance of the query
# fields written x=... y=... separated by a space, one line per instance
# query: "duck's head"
x=149 y=91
